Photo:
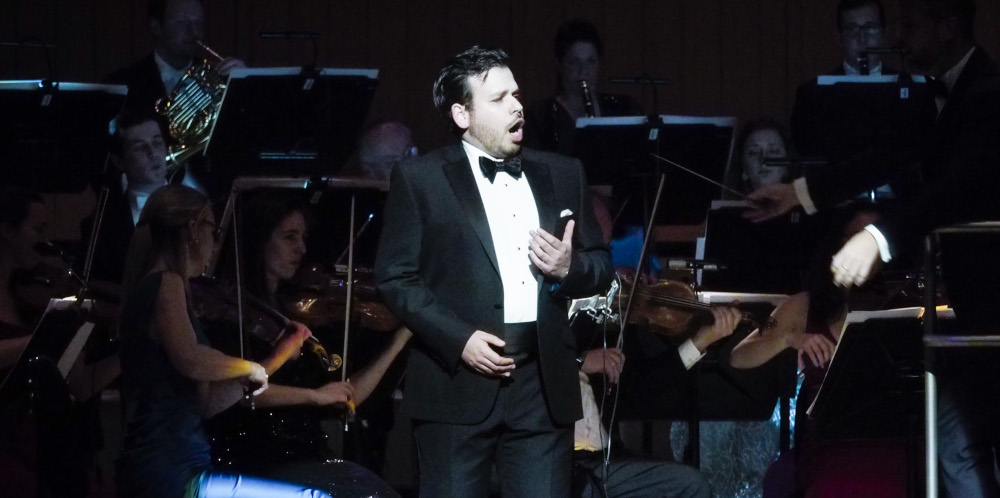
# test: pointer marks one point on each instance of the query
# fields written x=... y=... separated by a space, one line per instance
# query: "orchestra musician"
x=23 y=225
x=178 y=28
x=139 y=152
x=551 y=122
x=282 y=439
x=172 y=379
x=468 y=262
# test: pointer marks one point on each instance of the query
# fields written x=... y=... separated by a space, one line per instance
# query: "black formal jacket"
x=145 y=86
x=437 y=271
x=961 y=160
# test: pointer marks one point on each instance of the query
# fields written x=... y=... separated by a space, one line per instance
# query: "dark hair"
x=764 y=123
x=157 y=9
x=964 y=11
x=733 y=176
x=132 y=117
x=14 y=204
x=577 y=30
x=846 y=5
x=261 y=215
x=452 y=84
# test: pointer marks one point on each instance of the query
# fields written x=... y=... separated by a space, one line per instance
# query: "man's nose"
x=516 y=107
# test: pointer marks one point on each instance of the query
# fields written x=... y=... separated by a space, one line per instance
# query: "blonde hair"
x=160 y=233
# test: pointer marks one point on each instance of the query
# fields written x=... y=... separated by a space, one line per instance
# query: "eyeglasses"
x=869 y=29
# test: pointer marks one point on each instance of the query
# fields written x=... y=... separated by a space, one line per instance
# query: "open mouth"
x=517 y=131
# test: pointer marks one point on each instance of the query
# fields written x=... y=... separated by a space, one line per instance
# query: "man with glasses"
x=860 y=26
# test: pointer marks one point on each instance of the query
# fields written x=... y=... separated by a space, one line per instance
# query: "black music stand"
x=702 y=144
x=289 y=121
x=616 y=151
x=611 y=148
x=758 y=257
x=36 y=384
x=874 y=384
x=53 y=135
x=847 y=114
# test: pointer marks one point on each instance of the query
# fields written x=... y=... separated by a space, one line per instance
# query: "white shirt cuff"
x=883 y=245
x=689 y=354
x=802 y=194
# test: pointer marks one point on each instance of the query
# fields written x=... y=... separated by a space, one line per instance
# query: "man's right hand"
x=771 y=201
x=482 y=358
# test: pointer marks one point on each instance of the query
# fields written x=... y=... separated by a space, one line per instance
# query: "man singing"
x=469 y=262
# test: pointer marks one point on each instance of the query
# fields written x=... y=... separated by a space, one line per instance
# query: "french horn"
x=192 y=108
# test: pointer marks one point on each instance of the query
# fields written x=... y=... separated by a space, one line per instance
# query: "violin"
x=319 y=296
x=670 y=307
x=214 y=301
x=54 y=278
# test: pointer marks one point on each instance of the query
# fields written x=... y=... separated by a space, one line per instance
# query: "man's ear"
x=460 y=115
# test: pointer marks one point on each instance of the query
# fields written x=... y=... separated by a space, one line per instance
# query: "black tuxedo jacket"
x=145 y=86
x=437 y=271
x=961 y=160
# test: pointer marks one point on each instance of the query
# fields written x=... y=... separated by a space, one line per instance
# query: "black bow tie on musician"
x=490 y=167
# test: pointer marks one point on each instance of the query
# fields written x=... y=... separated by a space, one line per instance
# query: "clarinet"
x=588 y=101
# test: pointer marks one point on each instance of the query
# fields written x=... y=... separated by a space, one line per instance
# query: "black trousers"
x=630 y=475
x=533 y=456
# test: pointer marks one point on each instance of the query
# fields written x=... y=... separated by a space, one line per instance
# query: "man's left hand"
x=853 y=264
x=550 y=255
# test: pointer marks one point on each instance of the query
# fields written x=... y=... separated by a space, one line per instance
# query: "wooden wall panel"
x=741 y=58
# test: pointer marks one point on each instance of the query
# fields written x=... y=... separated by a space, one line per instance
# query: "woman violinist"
x=287 y=439
x=63 y=415
x=172 y=379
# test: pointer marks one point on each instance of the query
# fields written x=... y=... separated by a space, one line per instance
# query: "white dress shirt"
x=511 y=212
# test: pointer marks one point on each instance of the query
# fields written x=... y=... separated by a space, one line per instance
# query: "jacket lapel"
x=463 y=184
x=539 y=178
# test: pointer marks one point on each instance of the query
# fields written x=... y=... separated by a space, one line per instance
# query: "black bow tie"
x=511 y=165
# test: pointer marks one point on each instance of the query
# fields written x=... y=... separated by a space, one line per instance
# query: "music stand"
x=702 y=144
x=611 y=148
x=289 y=121
x=874 y=382
x=847 y=114
x=758 y=257
x=54 y=136
x=616 y=151
x=59 y=337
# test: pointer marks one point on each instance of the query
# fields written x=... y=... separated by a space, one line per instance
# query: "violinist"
x=627 y=473
x=23 y=225
x=172 y=379
x=287 y=440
